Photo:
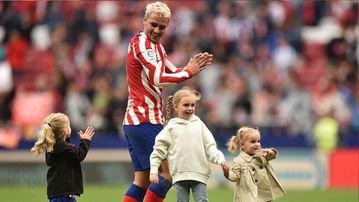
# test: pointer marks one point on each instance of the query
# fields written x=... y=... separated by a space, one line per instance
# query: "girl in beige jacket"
x=254 y=176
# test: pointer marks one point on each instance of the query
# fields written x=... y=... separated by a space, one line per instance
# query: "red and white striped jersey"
x=148 y=71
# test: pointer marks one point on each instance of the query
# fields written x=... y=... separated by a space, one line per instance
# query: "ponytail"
x=46 y=140
x=233 y=144
x=54 y=126
x=169 y=106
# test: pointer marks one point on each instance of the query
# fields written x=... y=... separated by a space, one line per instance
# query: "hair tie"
x=197 y=94
x=170 y=99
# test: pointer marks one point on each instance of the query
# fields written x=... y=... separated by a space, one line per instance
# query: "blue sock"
x=136 y=192
x=162 y=187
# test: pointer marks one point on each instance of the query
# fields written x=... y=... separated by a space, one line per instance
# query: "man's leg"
x=136 y=192
x=139 y=147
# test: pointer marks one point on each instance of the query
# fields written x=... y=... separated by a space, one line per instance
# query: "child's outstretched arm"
x=79 y=153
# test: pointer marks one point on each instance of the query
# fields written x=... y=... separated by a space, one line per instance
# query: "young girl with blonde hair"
x=187 y=144
x=254 y=176
x=64 y=175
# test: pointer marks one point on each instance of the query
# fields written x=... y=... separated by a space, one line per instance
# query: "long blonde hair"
x=173 y=100
x=53 y=127
x=159 y=8
x=234 y=142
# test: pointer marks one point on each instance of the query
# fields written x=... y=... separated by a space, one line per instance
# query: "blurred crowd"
x=288 y=67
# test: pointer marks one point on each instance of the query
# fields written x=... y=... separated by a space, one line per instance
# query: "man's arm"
x=158 y=74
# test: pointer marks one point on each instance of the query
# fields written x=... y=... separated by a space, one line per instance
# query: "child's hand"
x=225 y=168
x=262 y=152
x=154 y=178
x=88 y=133
x=267 y=152
x=273 y=151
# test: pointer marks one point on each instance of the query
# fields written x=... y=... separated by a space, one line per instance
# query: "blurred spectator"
x=16 y=49
x=328 y=99
x=298 y=112
x=100 y=98
x=242 y=108
x=6 y=88
x=6 y=83
x=326 y=131
x=9 y=137
x=76 y=105
x=283 y=57
x=278 y=64
x=116 y=107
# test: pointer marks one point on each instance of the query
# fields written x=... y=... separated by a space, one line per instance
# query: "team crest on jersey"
x=150 y=54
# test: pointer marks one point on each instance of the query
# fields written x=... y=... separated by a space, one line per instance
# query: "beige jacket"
x=255 y=178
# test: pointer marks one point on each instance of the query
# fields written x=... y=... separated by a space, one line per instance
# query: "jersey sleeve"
x=157 y=67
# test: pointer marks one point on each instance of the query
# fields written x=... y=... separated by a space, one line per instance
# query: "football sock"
x=129 y=199
x=157 y=192
x=134 y=194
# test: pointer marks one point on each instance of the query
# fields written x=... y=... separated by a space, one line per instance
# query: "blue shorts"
x=63 y=199
x=140 y=140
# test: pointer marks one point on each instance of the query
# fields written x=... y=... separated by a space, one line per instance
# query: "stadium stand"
x=279 y=65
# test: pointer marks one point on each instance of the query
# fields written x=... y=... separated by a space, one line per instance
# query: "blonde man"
x=148 y=71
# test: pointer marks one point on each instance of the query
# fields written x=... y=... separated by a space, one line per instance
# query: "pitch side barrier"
x=296 y=168
x=109 y=166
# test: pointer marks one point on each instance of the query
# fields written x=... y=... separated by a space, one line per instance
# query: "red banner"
x=30 y=108
x=344 y=169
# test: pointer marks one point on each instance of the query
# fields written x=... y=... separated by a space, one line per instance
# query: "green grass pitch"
x=114 y=193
